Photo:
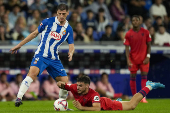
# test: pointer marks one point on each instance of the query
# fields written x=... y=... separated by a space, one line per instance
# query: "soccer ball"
x=60 y=105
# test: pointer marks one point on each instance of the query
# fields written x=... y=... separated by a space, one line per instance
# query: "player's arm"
x=147 y=59
x=148 y=42
x=71 y=51
x=61 y=84
x=127 y=55
x=95 y=106
x=27 y=39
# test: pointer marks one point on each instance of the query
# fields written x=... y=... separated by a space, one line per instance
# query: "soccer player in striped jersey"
x=54 y=31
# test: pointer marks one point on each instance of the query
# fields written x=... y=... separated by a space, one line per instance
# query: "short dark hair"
x=89 y=11
x=108 y=26
x=3 y=73
x=101 y=10
x=158 y=17
x=19 y=74
x=102 y=75
x=161 y=25
x=84 y=78
x=62 y=7
x=136 y=16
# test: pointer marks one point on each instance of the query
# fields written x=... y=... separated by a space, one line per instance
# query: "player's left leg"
x=57 y=71
x=131 y=105
x=144 y=72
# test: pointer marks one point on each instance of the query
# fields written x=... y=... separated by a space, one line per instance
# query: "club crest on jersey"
x=35 y=62
x=41 y=24
x=64 y=32
x=55 y=35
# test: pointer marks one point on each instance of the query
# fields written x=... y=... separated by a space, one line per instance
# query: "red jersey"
x=91 y=97
x=138 y=44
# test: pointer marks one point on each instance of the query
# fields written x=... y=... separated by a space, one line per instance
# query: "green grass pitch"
x=154 y=106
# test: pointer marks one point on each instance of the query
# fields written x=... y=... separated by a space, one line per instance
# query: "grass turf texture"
x=154 y=106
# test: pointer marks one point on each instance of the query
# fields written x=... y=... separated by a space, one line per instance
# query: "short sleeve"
x=96 y=98
x=42 y=25
x=126 y=40
x=148 y=36
x=69 y=87
x=70 y=39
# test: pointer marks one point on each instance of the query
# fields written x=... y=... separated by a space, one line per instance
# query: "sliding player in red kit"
x=87 y=99
x=139 y=40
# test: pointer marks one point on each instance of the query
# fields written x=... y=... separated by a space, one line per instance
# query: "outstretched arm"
x=27 y=39
x=71 y=51
x=61 y=84
x=95 y=106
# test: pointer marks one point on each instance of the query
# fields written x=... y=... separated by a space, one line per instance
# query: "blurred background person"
x=104 y=87
x=90 y=20
x=6 y=93
x=107 y=36
x=116 y=10
x=50 y=90
x=102 y=21
x=15 y=84
x=162 y=38
x=33 y=91
x=152 y=33
x=158 y=9
x=3 y=35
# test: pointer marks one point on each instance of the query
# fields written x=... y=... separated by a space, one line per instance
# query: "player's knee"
x=133 y=107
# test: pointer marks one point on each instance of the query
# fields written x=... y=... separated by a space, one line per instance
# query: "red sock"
x=133 y=85
x=144 y=91
x=143 y=81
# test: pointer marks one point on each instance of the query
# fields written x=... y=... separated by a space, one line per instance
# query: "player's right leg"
x=37 y=67
x=133 y=70
x=131 y=105
x=32 y=74
x=133 y=83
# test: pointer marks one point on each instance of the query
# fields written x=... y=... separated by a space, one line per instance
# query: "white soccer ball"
x=60 y=105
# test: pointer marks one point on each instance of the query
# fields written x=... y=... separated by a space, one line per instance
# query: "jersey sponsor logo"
x=64 y=32
x=96 y=98
x=55 y=35
x=41 y=24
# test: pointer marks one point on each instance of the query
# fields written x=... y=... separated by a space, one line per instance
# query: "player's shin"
x=63 y=94
x=24 y=86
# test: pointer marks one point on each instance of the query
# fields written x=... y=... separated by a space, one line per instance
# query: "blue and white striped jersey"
x=52 y=36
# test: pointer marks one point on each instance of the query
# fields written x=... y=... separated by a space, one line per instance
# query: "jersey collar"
x=65 y=25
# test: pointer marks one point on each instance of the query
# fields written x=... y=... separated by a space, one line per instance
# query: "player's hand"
x=70 y=55
x=146 y=61
x=15 y=49
x=129 y=63
x=77 y=104
x=61 y=84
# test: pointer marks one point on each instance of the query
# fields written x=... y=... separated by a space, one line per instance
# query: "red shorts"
x=108 y=104
x=136 y=67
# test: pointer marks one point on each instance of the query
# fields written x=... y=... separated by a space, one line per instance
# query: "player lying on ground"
x=89 y=100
